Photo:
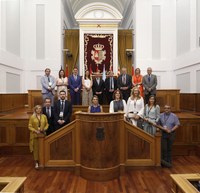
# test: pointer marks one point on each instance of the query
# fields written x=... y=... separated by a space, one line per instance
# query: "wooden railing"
x=182 y=183
x=12 y=184
x=99 y=146
x=142 y=149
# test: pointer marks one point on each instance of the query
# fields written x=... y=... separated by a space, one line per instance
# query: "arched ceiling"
x=120 y=5
x=73 y=6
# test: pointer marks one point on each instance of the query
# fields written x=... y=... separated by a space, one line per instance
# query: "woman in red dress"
x=137 y=81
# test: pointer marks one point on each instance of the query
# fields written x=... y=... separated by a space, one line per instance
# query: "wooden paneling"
x=167 y=96
x=145 y=150
x=190 y=102
x=34 y=98
x=61 y=149
x=3 y=135
x=187 y=135
x=100 y=145
x=102 y=153
x=10 y=102
x=198 y=102
x=170 y=97
x=14 y=136
x=135 y=143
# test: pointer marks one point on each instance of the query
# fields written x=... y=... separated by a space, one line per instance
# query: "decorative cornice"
x=98 y=13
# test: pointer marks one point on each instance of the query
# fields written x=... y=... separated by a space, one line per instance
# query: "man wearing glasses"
x=170 y=122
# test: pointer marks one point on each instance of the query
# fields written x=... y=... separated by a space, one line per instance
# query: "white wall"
x=22 y=57
x=198 y=23
x=189 y=62
x=179 y=46
x=52 y=40
x=182 y=26
x=177 y=29
x=10 y=48
x=154 y=31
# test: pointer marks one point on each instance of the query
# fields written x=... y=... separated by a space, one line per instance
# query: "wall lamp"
x=67 y=52
x=129 y=52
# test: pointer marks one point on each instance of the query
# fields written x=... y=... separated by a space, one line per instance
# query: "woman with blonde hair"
x=95 y=107
x=37 y=124
x=135 y=106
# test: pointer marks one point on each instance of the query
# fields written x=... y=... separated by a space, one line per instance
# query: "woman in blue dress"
x=95 y=107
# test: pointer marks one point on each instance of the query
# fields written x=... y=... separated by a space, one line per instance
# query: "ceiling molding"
x=128 y=14
x=78 y=4
x=98 y=12
x=69 y=14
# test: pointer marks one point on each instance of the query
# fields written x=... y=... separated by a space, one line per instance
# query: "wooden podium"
x=101 y=145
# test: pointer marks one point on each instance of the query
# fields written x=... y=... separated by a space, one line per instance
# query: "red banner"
x=98 y=51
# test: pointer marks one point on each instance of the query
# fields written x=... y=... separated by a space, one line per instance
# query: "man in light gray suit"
x=48 y=86
x=149 y=82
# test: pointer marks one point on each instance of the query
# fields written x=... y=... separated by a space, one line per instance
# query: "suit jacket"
x=50 y=119
x=128 y=81
x=98 y=87
x=150 y=84
x=66 y=113
x=107 y=84
x=75 y=83
x=45 y=84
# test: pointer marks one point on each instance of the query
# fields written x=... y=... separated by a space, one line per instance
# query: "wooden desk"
x=181 y=183
x=12 y=184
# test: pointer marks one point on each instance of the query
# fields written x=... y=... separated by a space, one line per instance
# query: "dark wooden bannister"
x=99 y=146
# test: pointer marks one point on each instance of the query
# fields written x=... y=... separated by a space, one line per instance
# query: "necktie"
x=111 y=83
x=48 y=79
x=62 y=105
x=149 y=78
x=48 y=113
x=75 y=77
x=124 y=79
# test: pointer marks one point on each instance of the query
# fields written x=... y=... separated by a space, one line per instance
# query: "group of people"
x=48 y=119
x=135 y=96
x=87 y=86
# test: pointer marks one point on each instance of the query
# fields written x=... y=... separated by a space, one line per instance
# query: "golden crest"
x=98 y=54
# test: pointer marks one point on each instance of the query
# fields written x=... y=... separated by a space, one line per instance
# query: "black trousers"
x=166 y=146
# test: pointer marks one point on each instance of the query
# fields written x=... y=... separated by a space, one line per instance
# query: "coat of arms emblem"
x=98 y=54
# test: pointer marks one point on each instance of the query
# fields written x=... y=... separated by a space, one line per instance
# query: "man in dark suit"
x=124 y=83
x=110 y=86
x=48 y=110
x=149 y=82
x=75 y=83
x=98 y=87
x=62 y=111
